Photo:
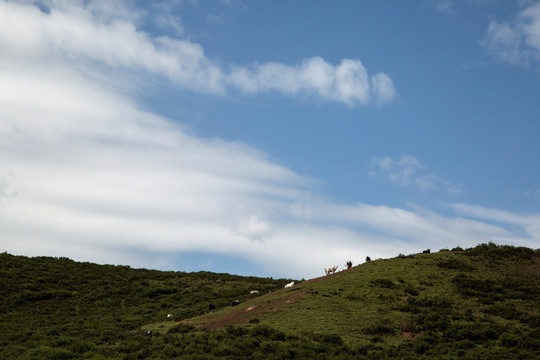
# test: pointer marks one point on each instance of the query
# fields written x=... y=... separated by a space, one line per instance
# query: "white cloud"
x=531 y=27
x=445 y=6
x=85 y=173
x=517 y=42
x=93 y=178
x=90 y=34
x=253 y=227
x=505 y=42
x=167 y=21
x=347 y=82
x=408 y=171
x=524 y=226
x=165 y=16
x=383 y=88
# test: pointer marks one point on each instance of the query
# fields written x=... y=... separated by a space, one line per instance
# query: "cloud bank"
x=94 y=34
x=85 y=173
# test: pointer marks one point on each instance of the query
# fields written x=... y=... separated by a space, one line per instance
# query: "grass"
x=439 y=298
x=476 y=303
x=57 y=308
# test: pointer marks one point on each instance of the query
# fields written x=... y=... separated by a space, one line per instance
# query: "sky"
x=267 y=138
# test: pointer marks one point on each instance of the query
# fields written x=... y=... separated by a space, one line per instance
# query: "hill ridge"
x=473 y=303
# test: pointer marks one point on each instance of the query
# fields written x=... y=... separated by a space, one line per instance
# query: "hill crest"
x=467 y=303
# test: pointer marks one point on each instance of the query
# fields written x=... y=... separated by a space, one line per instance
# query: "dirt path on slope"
x=244 y=315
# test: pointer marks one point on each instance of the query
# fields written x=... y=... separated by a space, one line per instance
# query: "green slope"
x=480 y=303
x=57 y=308
x=485 y=299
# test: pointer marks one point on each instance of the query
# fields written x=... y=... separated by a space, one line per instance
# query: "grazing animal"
x=289 y=285
x=349 y=265
x=368 y=259
x=211 y=307
x=330 y=270
x=235 y=302
x=252 y=292
x=169 y=316
x=426 y=251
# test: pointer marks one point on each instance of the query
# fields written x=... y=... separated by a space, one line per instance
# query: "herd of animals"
x=328 y=271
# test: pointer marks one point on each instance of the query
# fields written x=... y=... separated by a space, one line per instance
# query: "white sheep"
x=289 y=285
x=331 y=270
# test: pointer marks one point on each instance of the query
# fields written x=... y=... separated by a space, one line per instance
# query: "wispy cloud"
x=516 y=42
x=80 y=33
x=409 y=171
x=446 y=6
x=527 y=224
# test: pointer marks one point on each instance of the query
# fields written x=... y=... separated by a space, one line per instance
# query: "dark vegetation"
x=479 y=303
x=55 y=308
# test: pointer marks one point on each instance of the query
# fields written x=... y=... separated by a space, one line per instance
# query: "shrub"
x=454 y=264
x=82 y=346
x=421 y=347
x=328 y=339
x=379 y=329
x=495 y=251
x=383 y=283
x=46 y=352
x=434 y=302
x=489 y=333
x=236 y=330
x=181 y=329
x=433 y=321
x=262 y=330
x=411 y=290
x=469 y=286
x=509 y=340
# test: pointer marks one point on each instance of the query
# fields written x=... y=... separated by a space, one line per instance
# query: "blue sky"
x=267 y=138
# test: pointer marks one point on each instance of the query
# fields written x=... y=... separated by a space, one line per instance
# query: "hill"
x=55 y=308
x=477 y=303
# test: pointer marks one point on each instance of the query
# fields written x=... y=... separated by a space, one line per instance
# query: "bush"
x=411 y=290
x=421 y=347
x=82 y=346
x=379 y=329
x=236 y=330
x=383 y=283
x=495 y=251
x=509 y=340
x=454 y=264
x=329 y=339
x=434 y=302
x=181 y=329
x=46 y=352
x=433 y=321
x=469 y=286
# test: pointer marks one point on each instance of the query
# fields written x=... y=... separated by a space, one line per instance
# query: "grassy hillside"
x=54 y=308
x=480 y=303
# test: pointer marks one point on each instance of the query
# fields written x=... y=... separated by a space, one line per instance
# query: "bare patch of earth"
x=244 y=315
x=409 y=335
